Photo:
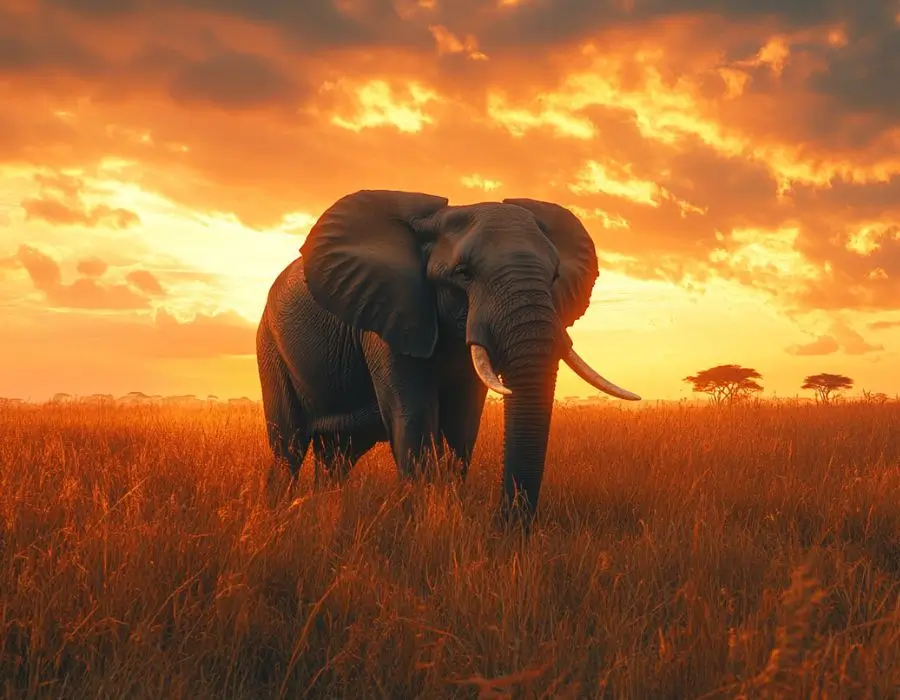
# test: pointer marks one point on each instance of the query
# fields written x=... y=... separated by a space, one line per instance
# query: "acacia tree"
x=726 y=383
x=826 y=385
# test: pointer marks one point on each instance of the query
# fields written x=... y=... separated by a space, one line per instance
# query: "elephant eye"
x=556 y=275
x=463 y=271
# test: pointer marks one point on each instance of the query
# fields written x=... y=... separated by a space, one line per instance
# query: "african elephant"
x=400 y=314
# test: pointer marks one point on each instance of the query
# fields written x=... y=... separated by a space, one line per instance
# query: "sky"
x=736 y=162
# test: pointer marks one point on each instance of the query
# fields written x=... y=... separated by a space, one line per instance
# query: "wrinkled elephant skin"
x=399 y=316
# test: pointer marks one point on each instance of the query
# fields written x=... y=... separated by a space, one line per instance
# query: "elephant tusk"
x=592 y=377
x=485 y=370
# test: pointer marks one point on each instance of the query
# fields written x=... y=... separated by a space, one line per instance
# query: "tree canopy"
x=726 y=383
x=827 y=385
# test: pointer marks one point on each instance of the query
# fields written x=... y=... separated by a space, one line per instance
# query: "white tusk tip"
x=482 y=364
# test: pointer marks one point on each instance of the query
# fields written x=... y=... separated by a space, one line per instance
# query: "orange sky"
x=737 y=164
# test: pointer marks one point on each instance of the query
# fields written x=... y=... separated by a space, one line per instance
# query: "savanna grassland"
x=681 y=552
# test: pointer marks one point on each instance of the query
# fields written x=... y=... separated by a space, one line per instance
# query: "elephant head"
x=509 y=277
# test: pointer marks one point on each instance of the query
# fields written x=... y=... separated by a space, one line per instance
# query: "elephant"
x=402 y=311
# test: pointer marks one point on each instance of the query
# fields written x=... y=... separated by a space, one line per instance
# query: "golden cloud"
x=841 y=337
x=378 y=104
x=87 y=291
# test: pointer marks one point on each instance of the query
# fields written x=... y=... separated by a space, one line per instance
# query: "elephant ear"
x=363 y=262
x=578 y=269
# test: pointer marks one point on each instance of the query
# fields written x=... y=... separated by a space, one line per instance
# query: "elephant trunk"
x=529 y=364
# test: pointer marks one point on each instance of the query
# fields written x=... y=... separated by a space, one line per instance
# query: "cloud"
x=61 y=203
x=852 y=342
x=145 y=282
x=56 y=212
x=92 y=267
x=884 y=325
x=30 y=47
x=233 y=80
x=448 y=43
x=618 y=181
x=860 y=260
x=841 y=337
x=86 y=292
x=700 y=140
x=822 y=345
x=377 y=104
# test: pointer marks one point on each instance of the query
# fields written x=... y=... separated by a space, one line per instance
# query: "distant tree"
x=827 y=385
x=879 y=397
x=726 y=383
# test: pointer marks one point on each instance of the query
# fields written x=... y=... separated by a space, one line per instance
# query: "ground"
x=681 y=552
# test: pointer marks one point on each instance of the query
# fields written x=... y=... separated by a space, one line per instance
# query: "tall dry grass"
x=681 y=552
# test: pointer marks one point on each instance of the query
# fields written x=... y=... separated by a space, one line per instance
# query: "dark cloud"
x=855 y=79
x=734 y=192
x=873 y=200
x=863 y=73
x=309 y=24
x=99 y=8
x=844 y=96
x=233 y=80
x=313 y=22
x=29 y=46
x=561 y=21
x=816 y=107
x=46 y=46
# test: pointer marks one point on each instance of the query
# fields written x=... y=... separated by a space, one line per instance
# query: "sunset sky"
x=736 y=162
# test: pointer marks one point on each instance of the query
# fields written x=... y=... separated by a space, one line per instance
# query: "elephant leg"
x=460 y=419
x=285 y=424
x=336 y=453
x=413 y=435
x=406 y=389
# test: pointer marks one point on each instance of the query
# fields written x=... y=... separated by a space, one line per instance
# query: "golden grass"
x=681 y=552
